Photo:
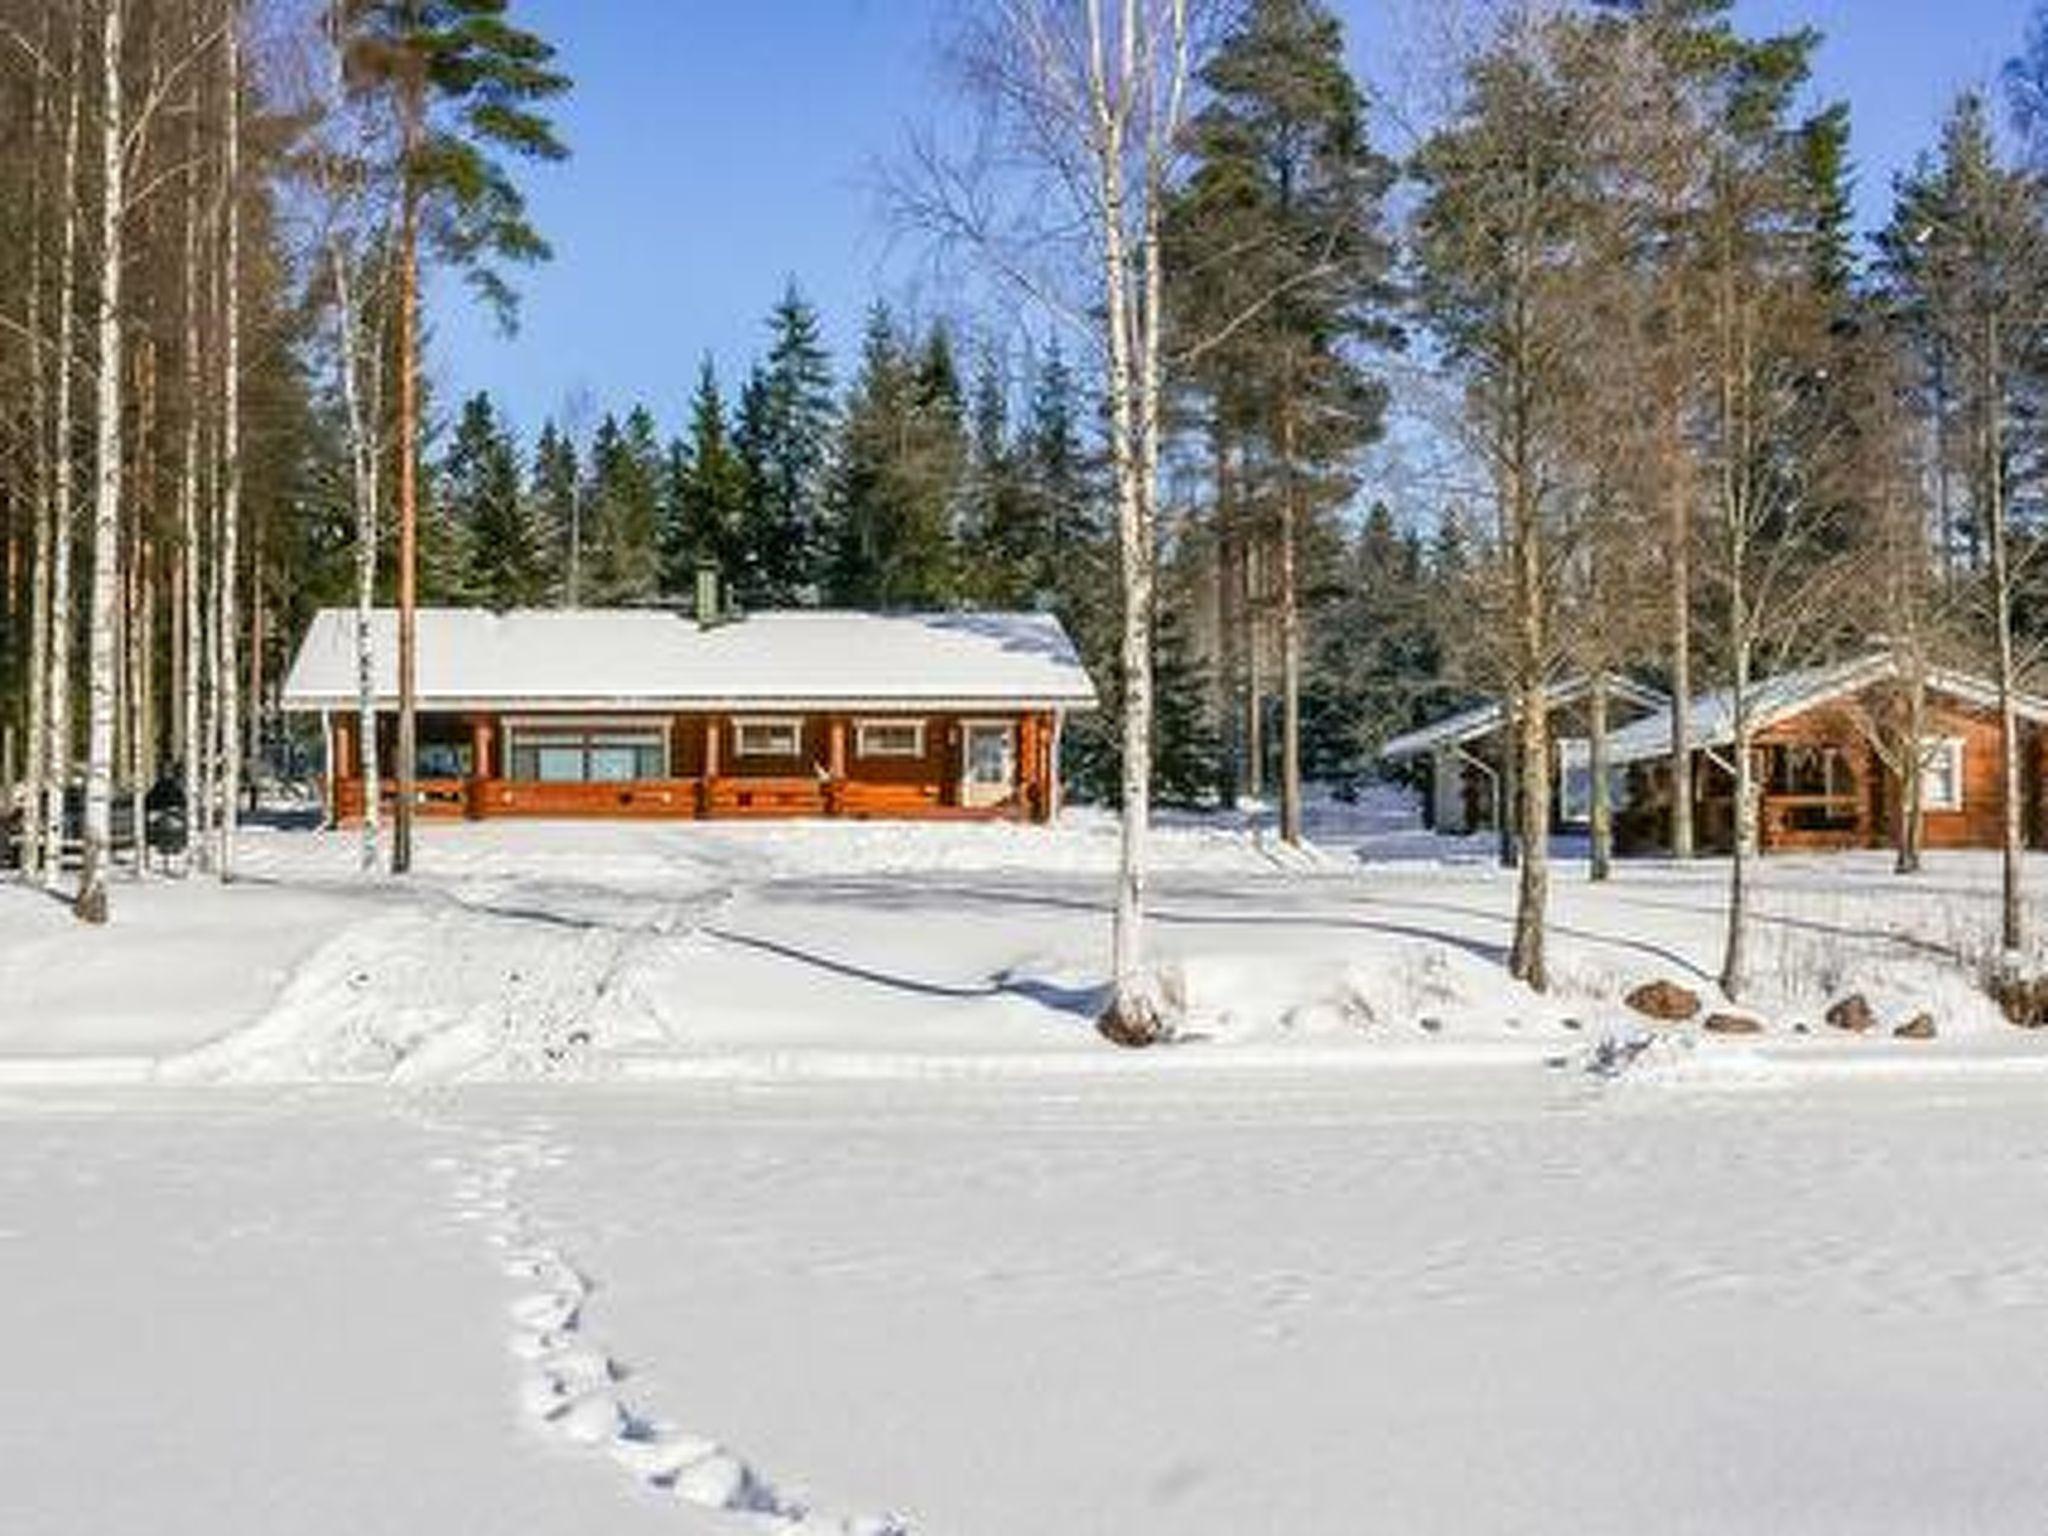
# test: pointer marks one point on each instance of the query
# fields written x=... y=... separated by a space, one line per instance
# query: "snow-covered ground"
x=771 y=1178
x=546 y=949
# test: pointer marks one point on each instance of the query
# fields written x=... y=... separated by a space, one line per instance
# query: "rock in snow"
x=1664 y=1000
x=1733 y=1024
x=1853 y=1014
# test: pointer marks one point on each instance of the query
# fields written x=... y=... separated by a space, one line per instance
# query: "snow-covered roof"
x=588 y=658
x=1788 y=694
x=1482 y=720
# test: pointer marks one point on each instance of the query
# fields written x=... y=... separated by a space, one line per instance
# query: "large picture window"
x=768 y=736
x=890 y=738
x=588 y=754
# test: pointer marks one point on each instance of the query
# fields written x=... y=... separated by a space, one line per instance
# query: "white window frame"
x=864 y=744
x=972 y=791
x=1574 y=780
x=1939 y=749
x=516 y=726
x=792 y=724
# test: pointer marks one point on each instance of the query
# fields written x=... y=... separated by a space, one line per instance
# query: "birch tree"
x=1083 y=106
x=104 y=603
x=1502 y=226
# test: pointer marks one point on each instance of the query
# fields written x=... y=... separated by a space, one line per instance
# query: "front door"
x=988 y=768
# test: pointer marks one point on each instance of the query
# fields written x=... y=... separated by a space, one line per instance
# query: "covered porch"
x=477 y=765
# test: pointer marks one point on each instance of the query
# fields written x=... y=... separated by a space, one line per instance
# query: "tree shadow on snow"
x=1083 y=1002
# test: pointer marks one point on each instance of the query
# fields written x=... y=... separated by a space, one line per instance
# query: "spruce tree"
x=711 y=489
x=900 y=473
x=622 y=522
x=1000 y=559
x=556 y=496
x=785 y=439
x=480 y=481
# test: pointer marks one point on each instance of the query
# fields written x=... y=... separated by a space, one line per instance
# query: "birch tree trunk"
x=1254 y=666
x=191 y=565
x=92 y=904
x=363 y=461
x=227 y=674
x=1135 y=300
x=37 y=767
x=64 y=476
x=1132 y=1012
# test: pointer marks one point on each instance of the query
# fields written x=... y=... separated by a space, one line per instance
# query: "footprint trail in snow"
x=571 y=1385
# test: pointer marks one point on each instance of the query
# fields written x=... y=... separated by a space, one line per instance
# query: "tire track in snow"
x=572 y=1385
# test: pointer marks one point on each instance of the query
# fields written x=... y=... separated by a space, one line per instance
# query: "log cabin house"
x=1467 y=764
x=648 y=713
x=1828 y=744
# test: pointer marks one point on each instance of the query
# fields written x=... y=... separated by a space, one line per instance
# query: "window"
x=1575 y=782
x=767 y=737
x=890 y=738
x=1941 y=774
x=587 y=754
x=988 y=763
x=442 y=760
x=1810 y=772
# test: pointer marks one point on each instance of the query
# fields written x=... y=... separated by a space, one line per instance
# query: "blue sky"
x=721 y=147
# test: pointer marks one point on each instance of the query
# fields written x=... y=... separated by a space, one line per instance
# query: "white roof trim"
x=1773 y=700
x=1483 y=720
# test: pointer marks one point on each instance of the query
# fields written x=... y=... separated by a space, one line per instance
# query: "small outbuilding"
x=1467 y=758
x=650 y=713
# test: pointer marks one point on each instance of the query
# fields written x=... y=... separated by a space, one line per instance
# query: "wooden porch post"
x=1056 y=789
x=479 y=764
x=835 y=765
x=1027 y=765
x=344 y=761
x=705 y=796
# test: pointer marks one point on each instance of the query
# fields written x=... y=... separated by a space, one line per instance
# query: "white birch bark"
x=363 y=465
x=191 y=565
x=64 y=479
x=227 y=675
x=37 y=766
x=92 y=904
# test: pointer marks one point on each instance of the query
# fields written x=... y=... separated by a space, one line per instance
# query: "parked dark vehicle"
x=163 y=813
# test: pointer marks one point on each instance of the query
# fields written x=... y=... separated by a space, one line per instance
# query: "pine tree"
x=1277 y=240
x=462 y=86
